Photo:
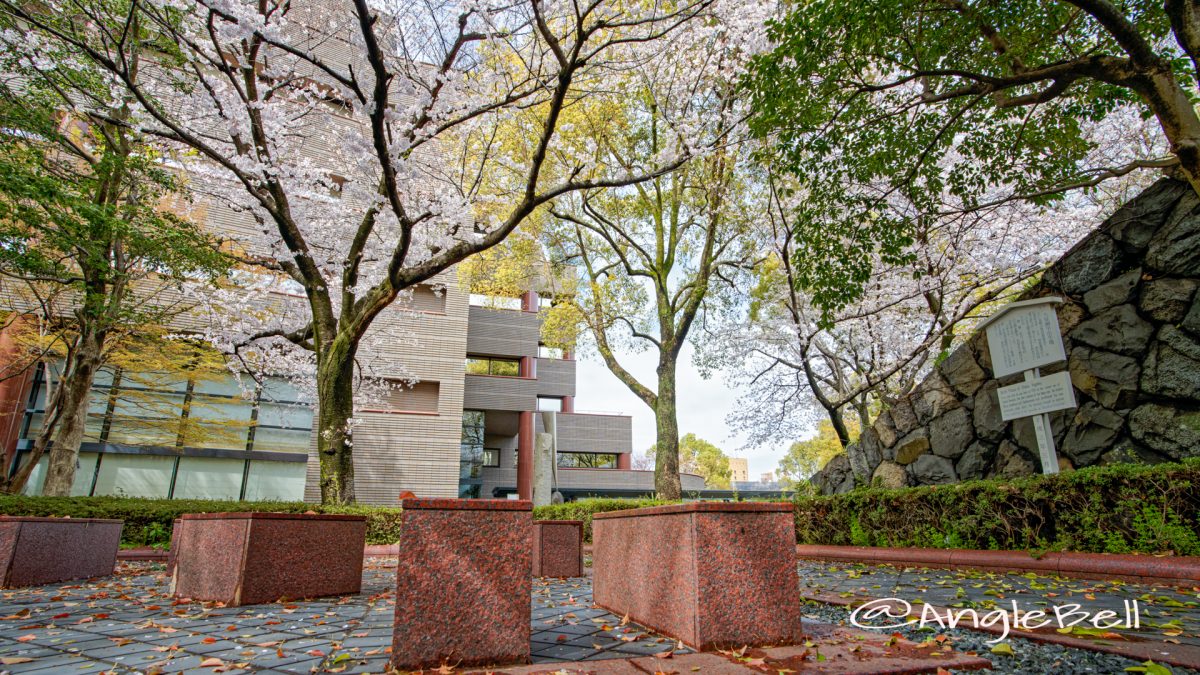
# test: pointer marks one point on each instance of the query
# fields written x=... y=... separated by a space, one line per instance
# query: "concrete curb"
x=1176 y=570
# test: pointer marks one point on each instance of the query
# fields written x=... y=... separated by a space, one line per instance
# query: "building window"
x=494 y=301
x=486 y=365
x=550 y=352
x=491 y=457
x=139 y=424
x=471 y=455
x=587 y=460
x=549 y=404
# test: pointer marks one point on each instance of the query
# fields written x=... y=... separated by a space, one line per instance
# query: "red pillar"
x=529 y=301
x=623 y=461
x=525 y=455
x=568 y=404
x=528 y=367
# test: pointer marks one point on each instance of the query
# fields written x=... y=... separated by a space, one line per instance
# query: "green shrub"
x=583 y=509
x=1114 y=509
x=148 y=521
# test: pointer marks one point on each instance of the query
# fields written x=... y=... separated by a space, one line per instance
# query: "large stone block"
x=963 y=372
x=1092 y=432
x=1086 y=266
x=1167 y=300
x=909 y=448
x=1175 y=248
x=1116 y=292
x=251 y=557
x=1172 y=431
x=1118 y=329
x=463 y=583
x=950 y=434
x=710 y=574
x=1136 y=222
x=932 y=470
x=558 y=548
x=1109 y=379
x=37 y=551
x=975 y=462
x=1172 y=368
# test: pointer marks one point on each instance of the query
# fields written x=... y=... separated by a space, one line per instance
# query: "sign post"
x=1022 y=337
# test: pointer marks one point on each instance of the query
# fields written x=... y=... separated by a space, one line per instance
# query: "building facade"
x=739 y=469
x=463 y=423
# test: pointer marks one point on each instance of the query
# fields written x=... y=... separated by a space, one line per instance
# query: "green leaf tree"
x=87 y=238
x=892 y=111
x=804 y=458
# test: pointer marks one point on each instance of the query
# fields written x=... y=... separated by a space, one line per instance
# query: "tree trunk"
x=335 y=408
x=839 y=425
x=76 y=388
x=666 y=464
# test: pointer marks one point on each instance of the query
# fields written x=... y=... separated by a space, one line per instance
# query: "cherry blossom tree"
x=362 y=140
x=798 y=362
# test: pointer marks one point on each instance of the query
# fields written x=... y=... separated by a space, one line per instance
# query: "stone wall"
x=1131 y=327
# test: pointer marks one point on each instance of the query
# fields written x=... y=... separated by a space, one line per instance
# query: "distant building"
x=766 y=483
x=739 y=469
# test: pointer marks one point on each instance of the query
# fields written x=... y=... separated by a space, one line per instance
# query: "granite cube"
x=558 y=548
x=711 y=574
x=463 y=583
x=252 y=557
x=37 y=551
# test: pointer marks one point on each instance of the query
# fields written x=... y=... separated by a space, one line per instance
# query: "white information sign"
x=1036 y=396
x=1024 y=336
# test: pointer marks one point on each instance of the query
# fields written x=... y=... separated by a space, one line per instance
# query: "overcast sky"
x=703 y=405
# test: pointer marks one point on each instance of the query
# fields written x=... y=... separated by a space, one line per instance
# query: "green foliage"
x=584 y=509
x=804 y=458
x=883 y=114
x=1110 y=509
x=148 y=521
x=697 y=455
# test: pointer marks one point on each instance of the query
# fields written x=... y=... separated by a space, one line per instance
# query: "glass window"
x=85 y=467
x=270 y=439
x=280 y=481
x=549 y=404
x=550 y=352
x=134 y=475
x=484 y=365
x=471 y=451
x=587 y=460
x=209 y=478
x=491 y=457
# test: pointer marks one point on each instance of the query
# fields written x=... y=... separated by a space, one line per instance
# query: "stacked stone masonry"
x=1130 y=322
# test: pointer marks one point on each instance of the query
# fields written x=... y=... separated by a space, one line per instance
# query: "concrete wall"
x=1131 y=327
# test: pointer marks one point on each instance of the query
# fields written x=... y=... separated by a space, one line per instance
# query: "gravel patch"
x=1031 y=657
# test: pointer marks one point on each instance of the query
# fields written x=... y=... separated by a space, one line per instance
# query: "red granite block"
x=45 y=550
x=711 y=574
x=463 y=583
x=558 y=548
x=249 y=558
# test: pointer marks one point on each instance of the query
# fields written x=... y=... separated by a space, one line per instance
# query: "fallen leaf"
x=1003 y=648
x=26 y=638
x=14 y=660
x=212 y=662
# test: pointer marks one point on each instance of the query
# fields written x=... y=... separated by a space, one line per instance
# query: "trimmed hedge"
x=1131 y=508
x=148 y=521
x=583 y=509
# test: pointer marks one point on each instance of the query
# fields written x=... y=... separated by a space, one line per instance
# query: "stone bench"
x=711 y=574
x=463 y=583
x=250 y=558
x=558 y=548
x=37 y=551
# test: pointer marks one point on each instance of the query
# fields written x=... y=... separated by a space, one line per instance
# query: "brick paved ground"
x=129 y=623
